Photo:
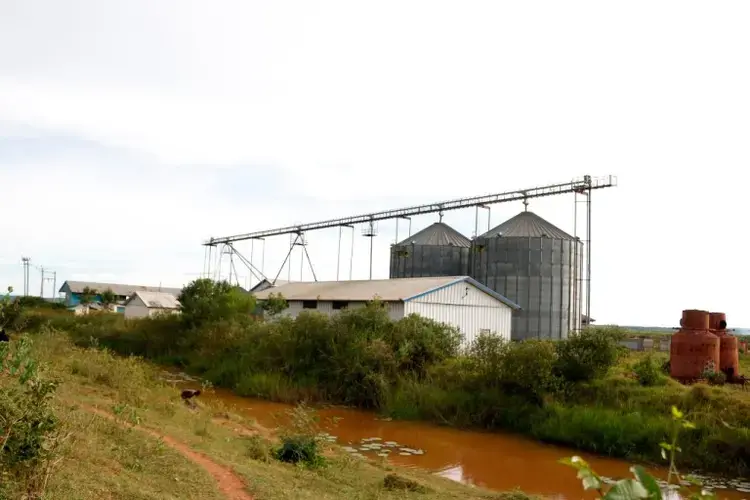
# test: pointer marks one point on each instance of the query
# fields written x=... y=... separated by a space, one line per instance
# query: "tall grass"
x=581 y=392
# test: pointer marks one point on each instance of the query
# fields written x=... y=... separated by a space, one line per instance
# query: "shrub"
x=274 y=305
x=258 y=449
x=649 y=372
x=296 y=449
x=10 y=310
x=204 y=301
x=299 y=439
x=29 y=425
x=395 y=482
x=487 y=353
x=523 y=368
x=527 y=368
x=588 y=354
x=421 y=342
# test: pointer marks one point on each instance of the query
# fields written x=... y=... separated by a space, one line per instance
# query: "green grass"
x=405 y=370
x=102 y=459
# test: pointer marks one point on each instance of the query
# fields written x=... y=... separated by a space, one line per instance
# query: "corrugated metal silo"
x=437 y=250
x=538 y=266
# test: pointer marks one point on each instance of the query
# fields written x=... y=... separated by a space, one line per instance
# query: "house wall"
x=461 y=305
x=466 y=307
x=73 y=299
x=136 y=309
x=155 y=311
x=395 y=309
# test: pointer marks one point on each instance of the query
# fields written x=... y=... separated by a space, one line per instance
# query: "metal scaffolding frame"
x=581 y=186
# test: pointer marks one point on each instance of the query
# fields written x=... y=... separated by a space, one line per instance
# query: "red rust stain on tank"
x=715 y=320
x=694 y=348
x=694 y=319
x=729 y=353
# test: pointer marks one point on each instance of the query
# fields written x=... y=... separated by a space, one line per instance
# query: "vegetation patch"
x=395 y=482
x=587 y=392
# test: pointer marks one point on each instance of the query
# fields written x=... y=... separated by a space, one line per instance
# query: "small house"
x=148 y=304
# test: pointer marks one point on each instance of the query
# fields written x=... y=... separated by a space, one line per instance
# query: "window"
x=309 y=304
x=339 y=304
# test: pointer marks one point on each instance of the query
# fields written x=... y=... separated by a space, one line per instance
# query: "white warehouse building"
x=458 y=301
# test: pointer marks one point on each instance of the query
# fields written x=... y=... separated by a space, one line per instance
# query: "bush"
x=258 y=449
x=523 y=368
x=10 y=310
x=204 y=301
x=394 y=482
x=589 y=354
x=299 y=440
x=296 y=449
x=527 y=368
x=648 y=371
x=421 y=342
x=29 y=425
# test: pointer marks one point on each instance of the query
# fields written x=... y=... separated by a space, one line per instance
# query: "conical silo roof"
x=438 y=234
x=527 y=225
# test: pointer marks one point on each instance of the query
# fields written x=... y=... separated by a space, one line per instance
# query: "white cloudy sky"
x=132 y=131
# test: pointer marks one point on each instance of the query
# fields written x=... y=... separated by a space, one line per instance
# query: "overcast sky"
x=132 y=131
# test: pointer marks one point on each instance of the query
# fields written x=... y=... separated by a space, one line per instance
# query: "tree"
x=204 y=301
x=274 y=304
x=108 y=298
x=87 y=297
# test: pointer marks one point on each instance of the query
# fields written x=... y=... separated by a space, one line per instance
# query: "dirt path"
x=229 y=483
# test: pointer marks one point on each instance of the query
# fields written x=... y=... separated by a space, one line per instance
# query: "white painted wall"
x=461 y=305
x=395 y=309
x=465 y=306
x=137 y=309
x=134 y=310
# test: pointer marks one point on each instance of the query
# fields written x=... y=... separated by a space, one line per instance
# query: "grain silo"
x=538 y=266
x=437 y=250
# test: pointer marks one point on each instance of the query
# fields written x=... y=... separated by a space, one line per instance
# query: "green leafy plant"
x=204 y=301
x=87 y=296
x=712 y=375
x=274 y=305
x=28 y=426
x=648 y=372
x=108 y=298
x=300 y=443
x=588 y=354
x=643 y=485
x=9 y=309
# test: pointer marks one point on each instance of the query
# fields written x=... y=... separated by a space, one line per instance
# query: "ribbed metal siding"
x=539 y=274
x=428 y=260
x=466 y=307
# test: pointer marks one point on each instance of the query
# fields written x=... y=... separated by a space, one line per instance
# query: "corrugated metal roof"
x=156 y=300
x=117 y=289
x=262 y=285
x=527 y=225
x=438 y=233
x=391 y=290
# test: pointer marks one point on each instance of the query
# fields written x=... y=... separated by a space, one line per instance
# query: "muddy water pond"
x=497 y=461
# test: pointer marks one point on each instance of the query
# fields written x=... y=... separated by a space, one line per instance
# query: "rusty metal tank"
x=693 y=348
x=729 y=354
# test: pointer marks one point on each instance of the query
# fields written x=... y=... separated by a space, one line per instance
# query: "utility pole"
x=48 y=275
x=26 y=261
